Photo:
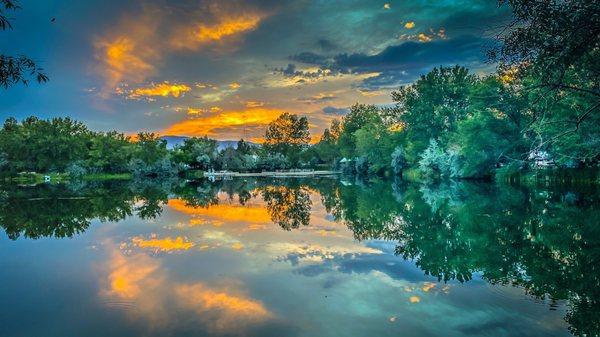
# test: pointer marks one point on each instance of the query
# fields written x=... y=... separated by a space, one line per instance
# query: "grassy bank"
x=107 y=176
x=57 y=178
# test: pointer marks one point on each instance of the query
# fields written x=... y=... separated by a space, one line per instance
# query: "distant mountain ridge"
x=173 y=141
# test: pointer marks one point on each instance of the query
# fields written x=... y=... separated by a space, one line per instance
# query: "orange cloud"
x=163 y=89
x=223 y=213
x=424 y=37
x=227 y=311
x=127 y=53
x=200 y=111
x=214 y=125
x=129 y=276
x=164 y=245
x=428 y=286
x=140 y=279
x=131 y=50
x=226 y=27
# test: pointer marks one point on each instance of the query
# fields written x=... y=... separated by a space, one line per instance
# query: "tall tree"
x=359 y=116
x=553 y=47
x=432 y=106
x=288 y=135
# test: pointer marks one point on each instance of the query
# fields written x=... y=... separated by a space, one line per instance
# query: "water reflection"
x=543 y=240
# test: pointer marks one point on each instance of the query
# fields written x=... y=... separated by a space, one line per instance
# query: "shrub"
x=361 y=166
x=398 y=160
x=76 y=170
x=436 y=162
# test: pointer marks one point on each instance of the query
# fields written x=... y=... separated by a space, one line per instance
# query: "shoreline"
x=271 y=174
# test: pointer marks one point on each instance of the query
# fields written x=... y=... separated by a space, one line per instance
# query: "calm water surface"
x=318 y=257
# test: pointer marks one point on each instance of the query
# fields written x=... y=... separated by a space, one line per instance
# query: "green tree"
x=198 y=153
x=553 y=47
x=432 y=106
x=16 y=69
x=326 y=150
x=109 y=152
x=151 y=157
x=288 y=135
x=360 y=115
x=375 y=143
x=43 y=145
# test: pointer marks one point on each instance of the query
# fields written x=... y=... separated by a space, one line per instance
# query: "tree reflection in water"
x=545 y=240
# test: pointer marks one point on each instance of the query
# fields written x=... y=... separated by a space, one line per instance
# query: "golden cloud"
x=129 y=276
x=228 y=213
x=128 y=53
x=424 y=37
x=141 y=280
x=409 y=25
x=213 y=125
x=227 y=311
x=200 y=111
x=131 y=50
x=414 y=299
x=163 y=245
x=163 y=89
x=226 y=26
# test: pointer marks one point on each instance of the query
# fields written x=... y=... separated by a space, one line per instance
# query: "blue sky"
x=227 y=68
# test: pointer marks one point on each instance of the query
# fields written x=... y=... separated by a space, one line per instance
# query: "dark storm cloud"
x=311 y=58
x=396 y=64
x=290 y=71
x=413 y=54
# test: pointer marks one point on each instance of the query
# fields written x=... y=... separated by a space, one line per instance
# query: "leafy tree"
x=436 y=162
x=552 y=38
x=326 y=150
x=16 y=69
x=244 y=148
x=288 y=207
x=151 y=157
x=432 y=106
x=197 y=153
x=375 y=143
x=272 y=161
x=288 y=135
x=360 y=115
x=484 y=143
x=109 y=152
x=553 y=47
x=230 y=159
x=43 y=145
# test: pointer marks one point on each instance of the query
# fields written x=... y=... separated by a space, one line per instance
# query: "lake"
x=299 y=257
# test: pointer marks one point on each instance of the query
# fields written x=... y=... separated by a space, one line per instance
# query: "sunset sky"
x=227 y=68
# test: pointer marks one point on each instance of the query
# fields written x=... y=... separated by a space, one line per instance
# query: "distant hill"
x=173 y=141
